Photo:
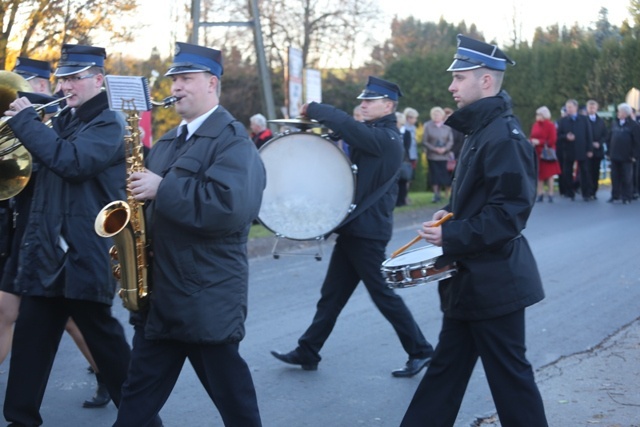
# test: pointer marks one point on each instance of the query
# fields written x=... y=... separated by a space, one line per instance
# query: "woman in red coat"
x=543 y=132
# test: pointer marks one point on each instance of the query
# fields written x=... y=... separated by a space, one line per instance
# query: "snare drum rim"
x=352 y=167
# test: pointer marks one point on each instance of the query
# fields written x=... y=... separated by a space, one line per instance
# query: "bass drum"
x=310 y=186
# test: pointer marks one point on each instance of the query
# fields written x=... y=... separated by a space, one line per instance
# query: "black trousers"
x=156 y=365
x=500 y=344
x=594 y=173
x=36 y=337
x=353 y=260
x=621 y=180
x=583 y=174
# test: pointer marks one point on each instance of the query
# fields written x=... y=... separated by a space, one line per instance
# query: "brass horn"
x=15 y=160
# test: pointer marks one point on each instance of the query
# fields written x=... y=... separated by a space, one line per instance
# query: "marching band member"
x=64 y=269
x=376 y=148
x=203 y=189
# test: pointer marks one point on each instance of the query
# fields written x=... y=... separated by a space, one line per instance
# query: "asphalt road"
x=587 y=254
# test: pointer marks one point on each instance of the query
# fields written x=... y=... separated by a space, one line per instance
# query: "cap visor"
x=183 y=70
x=67 y=71
x=460 y=65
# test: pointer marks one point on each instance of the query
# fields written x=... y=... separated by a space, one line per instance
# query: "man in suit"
x=576 y=139
x=599 y=133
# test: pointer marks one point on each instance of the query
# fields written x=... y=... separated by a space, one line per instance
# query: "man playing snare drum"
x=493 y=192
x=376 y=148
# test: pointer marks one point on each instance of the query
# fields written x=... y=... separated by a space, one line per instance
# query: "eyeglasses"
x=75 y=79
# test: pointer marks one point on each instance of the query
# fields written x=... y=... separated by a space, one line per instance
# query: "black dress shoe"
x=413 y=366
x=294 y=358
x=100 y=399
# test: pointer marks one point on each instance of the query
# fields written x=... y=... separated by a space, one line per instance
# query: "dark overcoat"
x=81 y=169
x=493 y=192
x=198 y=227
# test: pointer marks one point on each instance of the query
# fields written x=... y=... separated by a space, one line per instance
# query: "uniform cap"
x=32 y=68
x=42 y=99
x=472 y=54
x=191 y=58
x=378 y=88
x=76 y=58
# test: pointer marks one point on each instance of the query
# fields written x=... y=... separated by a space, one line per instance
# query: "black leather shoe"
x=413 y=366
x=294 y=358
x=100 y=399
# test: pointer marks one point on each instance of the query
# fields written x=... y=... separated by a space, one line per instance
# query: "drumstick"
x=418 y=237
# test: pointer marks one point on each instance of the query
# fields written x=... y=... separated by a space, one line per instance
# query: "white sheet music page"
x=125 y=92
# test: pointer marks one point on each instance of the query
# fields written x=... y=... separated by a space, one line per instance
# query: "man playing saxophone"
x=203 y=186
x=63 y=266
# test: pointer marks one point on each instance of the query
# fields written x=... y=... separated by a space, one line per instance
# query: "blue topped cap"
x=32 y=68
x=378 y=88
x=42 y=99
x=191 y=58
x=76 y=58
x=472 y=54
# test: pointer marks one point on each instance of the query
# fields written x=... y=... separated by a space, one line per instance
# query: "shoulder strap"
x=370 y=199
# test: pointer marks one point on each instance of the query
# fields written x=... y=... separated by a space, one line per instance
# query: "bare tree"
x=42 y=26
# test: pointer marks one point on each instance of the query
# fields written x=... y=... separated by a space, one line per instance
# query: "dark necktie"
x=182 y=137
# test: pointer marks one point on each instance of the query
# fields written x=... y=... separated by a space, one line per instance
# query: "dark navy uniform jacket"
x=493 y=192
x=376 y=149
x=82 y=169
x=198 y=227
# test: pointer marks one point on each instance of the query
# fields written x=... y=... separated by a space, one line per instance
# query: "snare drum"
x=310 y=186
x=415 y=267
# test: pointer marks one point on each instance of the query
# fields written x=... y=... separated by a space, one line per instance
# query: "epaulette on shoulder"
x=513 y=127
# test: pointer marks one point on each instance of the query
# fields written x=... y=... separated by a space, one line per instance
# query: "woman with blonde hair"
x=543 y=134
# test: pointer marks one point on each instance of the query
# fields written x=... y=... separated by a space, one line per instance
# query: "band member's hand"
x=438 y=215
x=430 y=233
x=18 y=105
x=303 y=110
x=144 y=185
x=589 y=154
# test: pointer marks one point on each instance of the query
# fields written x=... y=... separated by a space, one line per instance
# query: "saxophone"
x=124 y=221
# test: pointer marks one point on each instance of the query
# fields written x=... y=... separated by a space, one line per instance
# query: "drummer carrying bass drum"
x=376 y=149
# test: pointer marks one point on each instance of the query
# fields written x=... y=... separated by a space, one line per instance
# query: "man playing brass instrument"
x=63 y=266
x=38 y=74
x=203 y=188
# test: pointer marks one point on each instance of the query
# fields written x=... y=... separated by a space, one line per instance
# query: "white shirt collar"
x=196 y=123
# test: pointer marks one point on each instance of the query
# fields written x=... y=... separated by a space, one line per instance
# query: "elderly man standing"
x=623 y=147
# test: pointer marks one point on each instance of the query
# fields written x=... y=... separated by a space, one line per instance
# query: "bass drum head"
x=310 y=186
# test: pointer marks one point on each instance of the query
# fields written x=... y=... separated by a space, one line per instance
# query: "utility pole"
x=263 y=70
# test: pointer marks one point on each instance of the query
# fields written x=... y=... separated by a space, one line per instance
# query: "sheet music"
x=133 y=90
